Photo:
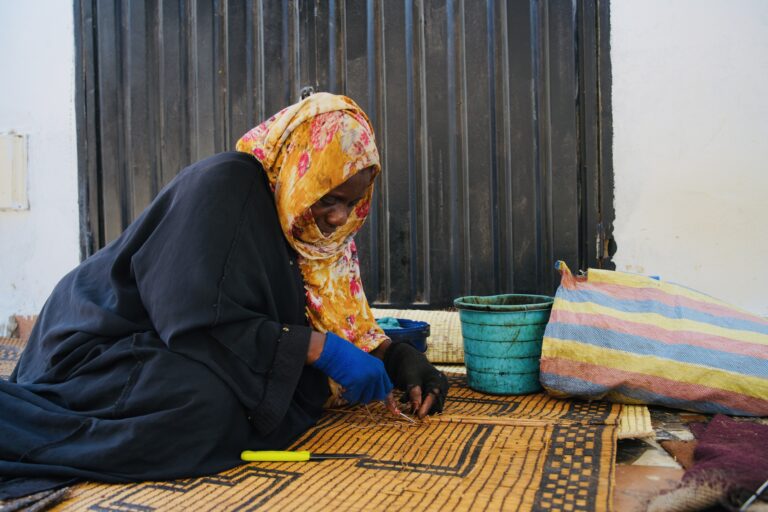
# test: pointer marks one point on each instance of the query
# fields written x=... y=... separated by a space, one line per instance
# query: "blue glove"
x=362 y=375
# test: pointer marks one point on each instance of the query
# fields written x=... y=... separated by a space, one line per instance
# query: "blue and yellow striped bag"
x=634 y=339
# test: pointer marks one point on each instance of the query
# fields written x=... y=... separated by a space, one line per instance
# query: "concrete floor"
x=645 y=467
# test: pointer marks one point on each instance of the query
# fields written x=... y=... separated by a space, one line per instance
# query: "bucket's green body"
x=502 y=341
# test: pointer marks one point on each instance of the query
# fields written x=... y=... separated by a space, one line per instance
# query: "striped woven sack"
x=637 y=340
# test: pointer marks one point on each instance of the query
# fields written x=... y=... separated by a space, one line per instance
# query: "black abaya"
x=172 y=349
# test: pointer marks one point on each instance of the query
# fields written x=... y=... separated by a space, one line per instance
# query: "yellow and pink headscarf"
x=307 y=150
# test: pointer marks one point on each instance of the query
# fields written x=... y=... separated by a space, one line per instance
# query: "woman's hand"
x=424 y=385
x=362 y=375
x=316 y=344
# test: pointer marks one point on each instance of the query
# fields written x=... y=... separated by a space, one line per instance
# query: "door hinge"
x=602 y=244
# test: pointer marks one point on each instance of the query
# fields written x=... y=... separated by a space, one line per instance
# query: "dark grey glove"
x=409 y=369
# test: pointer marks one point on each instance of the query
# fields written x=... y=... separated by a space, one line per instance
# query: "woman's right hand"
x=423 y=385
x=362 y=375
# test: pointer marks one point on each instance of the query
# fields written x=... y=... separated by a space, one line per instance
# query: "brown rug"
x=484 y=453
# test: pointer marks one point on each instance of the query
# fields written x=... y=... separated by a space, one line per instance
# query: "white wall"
x=690 y=117
x=38 y=246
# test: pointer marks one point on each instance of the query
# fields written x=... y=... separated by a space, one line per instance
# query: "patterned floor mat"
x=483 y=453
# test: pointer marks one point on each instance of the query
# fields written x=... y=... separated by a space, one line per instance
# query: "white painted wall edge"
x=690 y=118
x=37 y=98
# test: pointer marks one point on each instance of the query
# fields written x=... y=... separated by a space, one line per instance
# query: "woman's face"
x=333 y=209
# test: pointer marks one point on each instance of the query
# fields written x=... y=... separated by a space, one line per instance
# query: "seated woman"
x=214 y=322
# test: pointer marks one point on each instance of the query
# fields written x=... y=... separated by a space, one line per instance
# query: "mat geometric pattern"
x=483 y=453
x=634 y=420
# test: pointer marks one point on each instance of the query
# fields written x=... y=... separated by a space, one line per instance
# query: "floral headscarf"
x=307 y=150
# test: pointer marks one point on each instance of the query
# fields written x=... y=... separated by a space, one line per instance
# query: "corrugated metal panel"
x=488 y=116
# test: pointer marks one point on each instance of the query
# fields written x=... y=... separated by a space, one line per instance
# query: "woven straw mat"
x=484 y=452
x=444 y=344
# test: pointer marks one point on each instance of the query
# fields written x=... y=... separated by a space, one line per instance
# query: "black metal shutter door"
x=492 y=117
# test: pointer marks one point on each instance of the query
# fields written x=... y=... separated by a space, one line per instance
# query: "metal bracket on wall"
x=601 y=245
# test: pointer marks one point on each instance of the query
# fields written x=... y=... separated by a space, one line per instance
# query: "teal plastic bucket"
x=502 y=341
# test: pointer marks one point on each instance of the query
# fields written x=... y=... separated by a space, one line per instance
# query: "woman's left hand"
x=424 y=385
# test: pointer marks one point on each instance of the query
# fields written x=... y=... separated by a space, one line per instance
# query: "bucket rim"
x=466 y=304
